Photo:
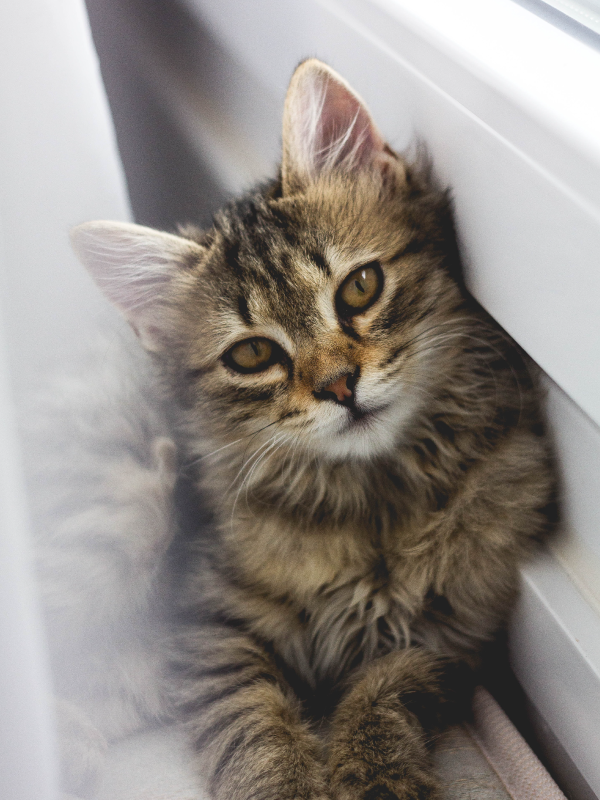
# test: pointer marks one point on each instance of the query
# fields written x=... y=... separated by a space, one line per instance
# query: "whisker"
x=260 y=460
x=214 y=452
x=250 y=435
x=247 y=461
x=261 y=456
x=445 y=340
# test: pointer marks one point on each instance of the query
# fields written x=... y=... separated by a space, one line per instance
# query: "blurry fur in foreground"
x=369 y=444
x=101 y=467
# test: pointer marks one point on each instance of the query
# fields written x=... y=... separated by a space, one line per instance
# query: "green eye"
x=252 y=355
x=360 y=289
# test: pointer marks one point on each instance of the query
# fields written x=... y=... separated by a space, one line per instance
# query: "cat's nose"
x=340 y=389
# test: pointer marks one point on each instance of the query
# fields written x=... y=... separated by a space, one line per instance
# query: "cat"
x=371 y=448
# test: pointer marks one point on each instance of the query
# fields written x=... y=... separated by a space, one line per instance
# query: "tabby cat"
x=371 y=448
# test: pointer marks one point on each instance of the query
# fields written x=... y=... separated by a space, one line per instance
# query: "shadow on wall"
x=149 y=53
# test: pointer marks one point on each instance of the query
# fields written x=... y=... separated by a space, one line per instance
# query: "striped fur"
x=357 y=561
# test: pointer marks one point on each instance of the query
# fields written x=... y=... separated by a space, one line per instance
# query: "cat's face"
x=311 y=316
x=307 y=318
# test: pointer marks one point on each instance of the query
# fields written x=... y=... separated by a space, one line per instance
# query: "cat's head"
x=308 y=312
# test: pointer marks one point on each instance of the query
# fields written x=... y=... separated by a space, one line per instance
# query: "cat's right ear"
x=135 y=268
x=328 y=128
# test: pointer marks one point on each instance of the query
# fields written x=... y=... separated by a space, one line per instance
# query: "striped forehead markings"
x=243 y=310
x=319 y=260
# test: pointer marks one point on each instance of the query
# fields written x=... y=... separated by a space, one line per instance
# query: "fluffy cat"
x=371 y=447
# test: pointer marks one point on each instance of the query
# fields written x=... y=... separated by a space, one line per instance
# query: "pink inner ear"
x=345 y=134
x=337 y=129
x=327 y=128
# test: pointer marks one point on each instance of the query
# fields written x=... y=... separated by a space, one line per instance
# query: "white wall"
x=58 y=166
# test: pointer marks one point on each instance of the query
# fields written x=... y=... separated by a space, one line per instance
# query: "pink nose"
x=340 y=388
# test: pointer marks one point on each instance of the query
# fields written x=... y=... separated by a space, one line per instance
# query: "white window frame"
x=584 y=12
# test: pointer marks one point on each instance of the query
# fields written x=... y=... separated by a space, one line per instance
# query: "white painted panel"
x=586 y=12
x=544 y=72
x=577 y=441
x=531 y=255
x=555 y=652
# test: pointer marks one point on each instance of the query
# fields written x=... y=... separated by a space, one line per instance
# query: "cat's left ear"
x=326 y=128
x=136 y=268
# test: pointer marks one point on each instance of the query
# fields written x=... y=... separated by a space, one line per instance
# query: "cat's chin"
x=366 y=435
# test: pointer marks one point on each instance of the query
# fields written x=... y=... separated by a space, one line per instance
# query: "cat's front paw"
x=381 y=758
x=378 y=750
x=364 y=781
x=394 y=787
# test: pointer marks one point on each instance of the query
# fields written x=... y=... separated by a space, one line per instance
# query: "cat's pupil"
x=358 y=285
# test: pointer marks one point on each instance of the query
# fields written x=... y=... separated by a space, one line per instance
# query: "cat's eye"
x=360 y=290
x=252 y=355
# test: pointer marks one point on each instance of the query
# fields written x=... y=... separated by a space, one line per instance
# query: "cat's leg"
x=382 y=727
x=244 y=721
